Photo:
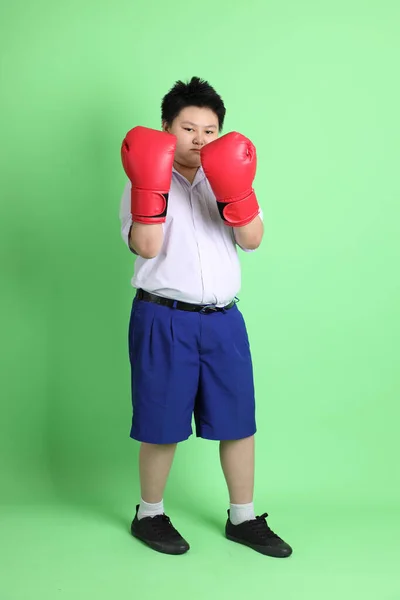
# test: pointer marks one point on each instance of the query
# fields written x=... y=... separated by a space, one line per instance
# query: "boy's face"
x=194 y=127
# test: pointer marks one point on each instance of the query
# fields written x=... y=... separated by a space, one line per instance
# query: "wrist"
x=240 y=211
x=148 y=207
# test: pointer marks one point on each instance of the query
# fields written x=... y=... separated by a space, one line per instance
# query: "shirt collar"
x=200 y=175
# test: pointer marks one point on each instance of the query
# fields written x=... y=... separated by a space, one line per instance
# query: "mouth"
x=195 y=150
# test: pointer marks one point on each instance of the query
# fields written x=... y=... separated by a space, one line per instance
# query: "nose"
x=199 y=140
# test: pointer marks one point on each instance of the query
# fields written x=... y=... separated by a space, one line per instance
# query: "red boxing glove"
x=229 y=164
x=147 y=157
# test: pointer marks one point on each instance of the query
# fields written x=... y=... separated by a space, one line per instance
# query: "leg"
x=237 y=461
x=164 y=376
x=225 y=407
x=154 y=528
x=225 y=411
x=155 y=461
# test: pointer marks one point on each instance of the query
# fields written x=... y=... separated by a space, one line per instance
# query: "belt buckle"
x=209 y=308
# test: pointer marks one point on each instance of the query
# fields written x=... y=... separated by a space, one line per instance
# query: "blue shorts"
x=188 y=363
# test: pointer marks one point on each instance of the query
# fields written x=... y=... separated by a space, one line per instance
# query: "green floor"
x=76 y=553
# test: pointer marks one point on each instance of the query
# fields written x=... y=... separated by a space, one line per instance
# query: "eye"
x=210 y=131
x=188 y=129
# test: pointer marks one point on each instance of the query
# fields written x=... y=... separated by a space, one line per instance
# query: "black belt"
x=202 y=308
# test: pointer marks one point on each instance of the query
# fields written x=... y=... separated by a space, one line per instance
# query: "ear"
x=164 y=126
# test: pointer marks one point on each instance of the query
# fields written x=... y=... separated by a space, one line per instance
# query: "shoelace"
x=261 y=528
x=162 y=525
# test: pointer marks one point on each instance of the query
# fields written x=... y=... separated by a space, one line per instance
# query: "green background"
x=315 y=85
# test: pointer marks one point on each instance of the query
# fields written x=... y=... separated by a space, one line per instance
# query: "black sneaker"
x=257 y=535
x=159 y=533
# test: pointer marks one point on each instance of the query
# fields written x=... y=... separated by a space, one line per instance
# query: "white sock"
x=239 y=513
x=150 y=510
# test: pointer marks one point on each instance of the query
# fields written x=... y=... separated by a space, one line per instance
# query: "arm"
x=250 y=236
x=230 y=167
x=142 y=240
x=146 y=240
x=147 y=157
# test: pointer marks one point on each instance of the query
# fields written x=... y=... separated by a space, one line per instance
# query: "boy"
x=188 y=205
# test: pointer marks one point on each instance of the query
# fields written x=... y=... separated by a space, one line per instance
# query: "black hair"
x=196 y=92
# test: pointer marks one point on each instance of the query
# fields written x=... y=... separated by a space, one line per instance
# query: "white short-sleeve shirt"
x=198 y=261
